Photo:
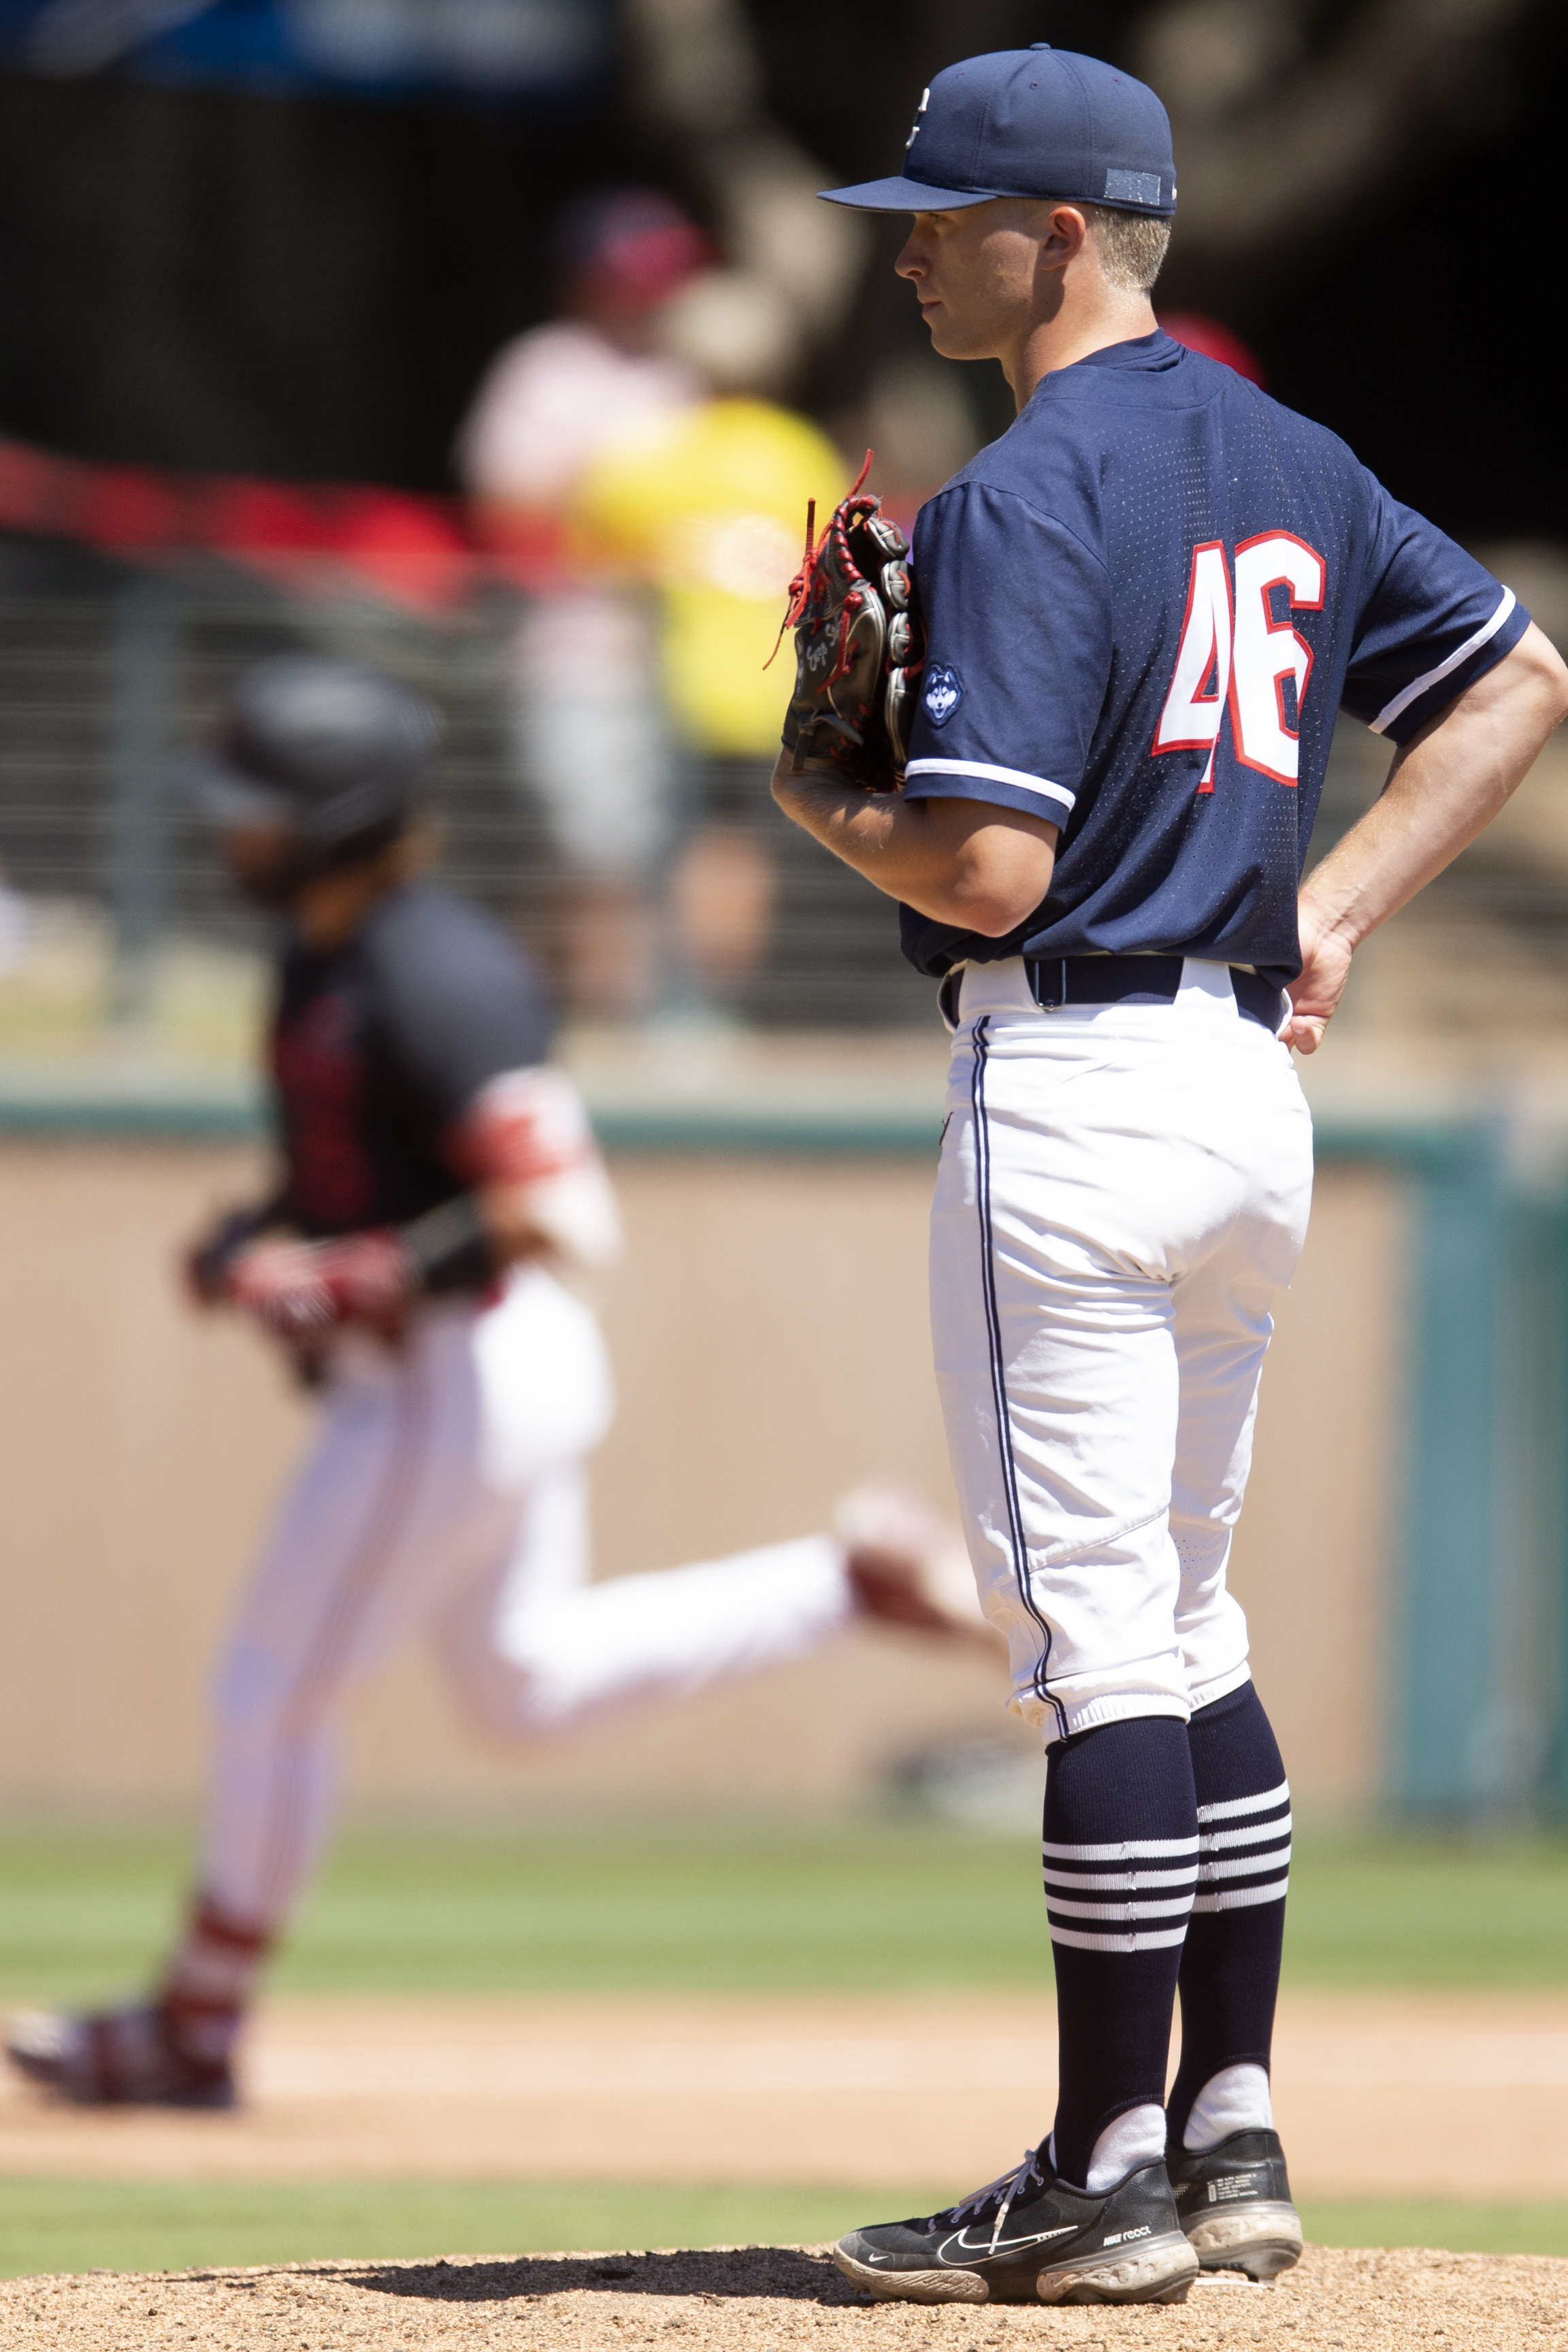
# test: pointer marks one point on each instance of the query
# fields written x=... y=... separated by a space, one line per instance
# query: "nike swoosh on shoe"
x=1003 y=2245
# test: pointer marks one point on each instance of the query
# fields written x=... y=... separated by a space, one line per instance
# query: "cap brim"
x=232 y=802
x=904 y=196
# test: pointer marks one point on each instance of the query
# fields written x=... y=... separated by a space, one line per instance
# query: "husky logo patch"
x=943 y=693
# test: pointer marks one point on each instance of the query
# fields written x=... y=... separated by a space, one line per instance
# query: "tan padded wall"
x=769 y=1336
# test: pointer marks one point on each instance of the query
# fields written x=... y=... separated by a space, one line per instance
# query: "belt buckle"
x=1039 y=968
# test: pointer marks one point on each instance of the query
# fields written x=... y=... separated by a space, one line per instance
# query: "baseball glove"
x=859 y=646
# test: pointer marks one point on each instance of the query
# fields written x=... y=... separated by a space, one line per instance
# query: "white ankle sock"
x=1235 y=2099
x=1136 y=2137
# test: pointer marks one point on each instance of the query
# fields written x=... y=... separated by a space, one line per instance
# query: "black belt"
x=1056 y=981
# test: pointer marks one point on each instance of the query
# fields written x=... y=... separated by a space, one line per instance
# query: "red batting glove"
x=302 y=1290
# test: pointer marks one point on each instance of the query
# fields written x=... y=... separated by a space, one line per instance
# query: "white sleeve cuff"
x=982 y=770
x=1418 y=687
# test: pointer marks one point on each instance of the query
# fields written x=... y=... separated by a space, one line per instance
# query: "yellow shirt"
x=708 y=505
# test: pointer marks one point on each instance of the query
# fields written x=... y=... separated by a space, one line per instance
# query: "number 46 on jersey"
x=1237 y=655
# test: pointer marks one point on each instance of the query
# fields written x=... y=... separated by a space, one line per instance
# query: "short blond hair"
x=1131 y=247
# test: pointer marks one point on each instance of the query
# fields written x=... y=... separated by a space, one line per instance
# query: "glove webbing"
x=800 y=587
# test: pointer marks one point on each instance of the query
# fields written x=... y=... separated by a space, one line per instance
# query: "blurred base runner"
x=440 y=1186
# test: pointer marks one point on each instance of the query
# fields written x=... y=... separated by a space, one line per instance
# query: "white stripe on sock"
x=1261 y=1833
x=1127 y=1850
x=1240 y=1865
x=1092 y=1880
x=1233 y=1806
x=1238 y=1898
x=1144 y=1939
x=1053 y=1904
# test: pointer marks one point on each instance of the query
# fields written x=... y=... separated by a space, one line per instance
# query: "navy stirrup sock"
x=1120 y=1862
x=1230 y=1968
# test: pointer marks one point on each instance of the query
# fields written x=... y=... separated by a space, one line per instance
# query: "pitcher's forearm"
x=979 y=866
x=1445 y=787
x=855 y=825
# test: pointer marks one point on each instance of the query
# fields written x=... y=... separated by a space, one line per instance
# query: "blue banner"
x=373 y=48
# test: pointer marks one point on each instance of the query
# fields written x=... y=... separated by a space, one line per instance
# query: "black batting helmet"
x=327 y=751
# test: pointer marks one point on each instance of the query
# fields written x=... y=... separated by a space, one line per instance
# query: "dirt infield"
x=874 y=2092
x=764 y=2298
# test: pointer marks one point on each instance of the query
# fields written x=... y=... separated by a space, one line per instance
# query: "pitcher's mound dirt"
x=774 y=2296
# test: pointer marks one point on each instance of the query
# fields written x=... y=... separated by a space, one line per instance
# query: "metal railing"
x=110 y=675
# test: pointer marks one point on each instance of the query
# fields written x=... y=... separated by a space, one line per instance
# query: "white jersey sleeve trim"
x=991 y=775
x=1402 y=702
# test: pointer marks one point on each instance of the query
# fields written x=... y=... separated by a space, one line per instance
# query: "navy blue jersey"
x=380 y=1045
x=1144 y=606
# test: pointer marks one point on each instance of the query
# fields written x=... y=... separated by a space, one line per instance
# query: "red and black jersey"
x=380 y=1045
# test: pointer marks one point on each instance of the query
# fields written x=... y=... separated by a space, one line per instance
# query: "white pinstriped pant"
x=445 y=1494
x=1122 y=1190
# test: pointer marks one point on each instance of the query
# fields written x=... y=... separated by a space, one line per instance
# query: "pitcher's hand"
x=1325 y=968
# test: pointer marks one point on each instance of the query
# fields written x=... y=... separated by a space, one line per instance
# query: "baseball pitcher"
x=1142 y=607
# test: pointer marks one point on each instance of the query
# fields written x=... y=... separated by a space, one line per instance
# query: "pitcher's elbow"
x=994 y=917
x=996 y=903
x=1558 y=687
x=1544 y=674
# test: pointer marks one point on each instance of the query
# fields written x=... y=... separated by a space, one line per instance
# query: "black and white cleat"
x=1235 y=2205
x=1030 y=2237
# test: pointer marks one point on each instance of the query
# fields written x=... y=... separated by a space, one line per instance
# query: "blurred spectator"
x=709 y=506
x=551 y=398
x=650 y=505
x=588 y=730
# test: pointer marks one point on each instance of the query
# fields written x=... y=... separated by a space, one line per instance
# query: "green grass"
x=740 y=1907
x=1458 y=2229
x=1407 y=1911
x=80 y=2225
x=727 y=1907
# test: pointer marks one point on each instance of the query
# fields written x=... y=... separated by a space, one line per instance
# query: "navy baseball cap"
x=1030 y=123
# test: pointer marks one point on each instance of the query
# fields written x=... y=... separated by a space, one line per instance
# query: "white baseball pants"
x=1122 y=1190
x=446 y=1494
